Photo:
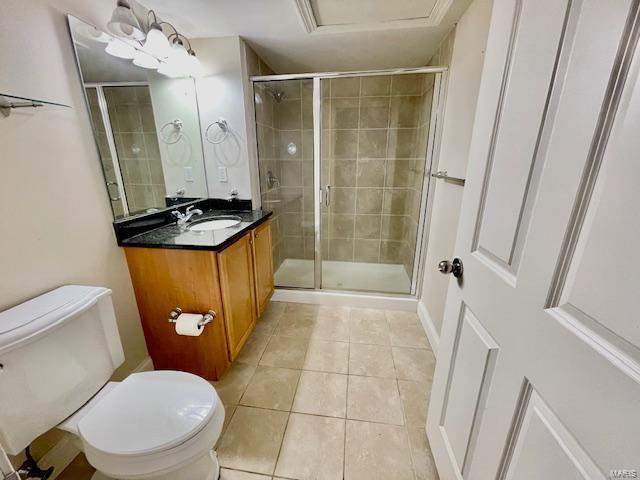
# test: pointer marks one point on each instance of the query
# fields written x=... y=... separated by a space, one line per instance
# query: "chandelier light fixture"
x=171 y=54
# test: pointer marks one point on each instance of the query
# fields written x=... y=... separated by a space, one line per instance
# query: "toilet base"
x=205 y=468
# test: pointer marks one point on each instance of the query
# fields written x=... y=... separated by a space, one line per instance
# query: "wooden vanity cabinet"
x=236 y=283
x=263 y=268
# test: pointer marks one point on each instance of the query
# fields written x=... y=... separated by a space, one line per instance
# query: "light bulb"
x=156 y=43
x=166 y=68
x=120 y=49
x=145 y=60
x=194 y=67
x=124 y=23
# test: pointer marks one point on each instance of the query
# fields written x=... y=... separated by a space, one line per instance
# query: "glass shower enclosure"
x=342 y=162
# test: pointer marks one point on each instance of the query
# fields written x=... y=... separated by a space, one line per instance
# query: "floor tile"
x=233 y=382
x=424 y=466
x=376 y=452
x=268 y=322
x=331 y=328
x=78 y=469
x=286 y=352
x=321 y=393
x=416 y=364
x=253 y=349
x=374 y=399
x=229 y=410
x=371 y=360
x=271 y=387
x=324 y=356
x=226 y=474
x=296 y=325
x=312 y=449
x=301 y=308
x=368 y=326
x=405 y=330
x=252 y=440
x=275 y=307
x=415 y=400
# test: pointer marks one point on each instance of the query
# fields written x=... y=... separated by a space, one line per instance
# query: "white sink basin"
x=216 y=223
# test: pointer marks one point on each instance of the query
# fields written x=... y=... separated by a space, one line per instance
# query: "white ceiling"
x=345 y=34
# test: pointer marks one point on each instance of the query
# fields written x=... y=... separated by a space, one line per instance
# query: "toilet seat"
x=151 y=423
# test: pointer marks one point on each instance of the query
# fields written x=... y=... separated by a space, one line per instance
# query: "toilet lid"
x=149 y=412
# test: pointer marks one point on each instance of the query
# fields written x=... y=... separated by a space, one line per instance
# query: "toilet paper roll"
x=187 y=324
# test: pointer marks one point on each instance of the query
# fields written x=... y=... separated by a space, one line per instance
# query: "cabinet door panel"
x=165 y=279
x=237 y=285
x=263 y=264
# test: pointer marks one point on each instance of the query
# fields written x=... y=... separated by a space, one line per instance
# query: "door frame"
x=431 y=155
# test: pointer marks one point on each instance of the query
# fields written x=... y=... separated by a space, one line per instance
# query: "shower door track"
x=355 y=73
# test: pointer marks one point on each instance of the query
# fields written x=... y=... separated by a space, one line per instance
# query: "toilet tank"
x=56 y=351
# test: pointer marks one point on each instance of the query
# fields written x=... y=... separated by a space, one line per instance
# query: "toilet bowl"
x=154 y=425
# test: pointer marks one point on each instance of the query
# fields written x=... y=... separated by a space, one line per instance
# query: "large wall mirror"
x=146 y=126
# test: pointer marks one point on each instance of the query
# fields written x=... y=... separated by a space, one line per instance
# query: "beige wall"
x=463 y=51
x=56 y=215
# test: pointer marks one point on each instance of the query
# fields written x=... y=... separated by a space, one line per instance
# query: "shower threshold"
x=353 y=276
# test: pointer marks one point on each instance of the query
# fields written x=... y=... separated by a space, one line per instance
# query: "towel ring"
x=224 y=128
x=177 y=126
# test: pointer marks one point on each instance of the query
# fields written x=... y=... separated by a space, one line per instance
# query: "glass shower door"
x=375 y=132
x=284 y=126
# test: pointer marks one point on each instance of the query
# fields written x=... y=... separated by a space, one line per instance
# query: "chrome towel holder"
x=445 y=176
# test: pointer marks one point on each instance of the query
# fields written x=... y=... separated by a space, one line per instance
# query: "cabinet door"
x=164 y=279
x=237 y=284
x=263 y=265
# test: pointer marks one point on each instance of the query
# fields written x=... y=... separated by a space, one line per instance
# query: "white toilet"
x=57 y=353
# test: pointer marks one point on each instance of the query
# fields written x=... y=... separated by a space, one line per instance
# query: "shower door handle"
x=327 y=196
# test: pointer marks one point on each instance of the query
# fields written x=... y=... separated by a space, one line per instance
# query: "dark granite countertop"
x=173 y=236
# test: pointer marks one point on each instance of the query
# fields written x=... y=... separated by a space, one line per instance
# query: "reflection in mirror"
x=146 y=127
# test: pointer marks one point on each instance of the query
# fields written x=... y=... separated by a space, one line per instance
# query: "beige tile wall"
x=134 y=132
x=374 y=145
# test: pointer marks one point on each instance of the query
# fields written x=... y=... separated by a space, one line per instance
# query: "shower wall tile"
x=343 y=144
x=370 y=173
x=344 y=113
x=369 y=201
x=343 y=200
x=341 y=249
x=345 y=87
x=341 y=225
x=291 y=173
x=404 y=111
x=366 y=250
x=410 y=84
x=368 y=226
x=392 y=227
x=288 y=114
x=343 y=173
x=402 y=143
x=374 y=112
x=375 y=86
x=372 y=143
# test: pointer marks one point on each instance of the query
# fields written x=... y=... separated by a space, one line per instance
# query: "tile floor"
x=325 y=393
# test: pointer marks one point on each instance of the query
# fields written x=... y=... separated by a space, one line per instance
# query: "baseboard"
x=429 y=327
x=146 y=365
x=347 y=299
x=60 y=456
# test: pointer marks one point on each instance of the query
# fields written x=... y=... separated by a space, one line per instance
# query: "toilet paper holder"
x=176 y=312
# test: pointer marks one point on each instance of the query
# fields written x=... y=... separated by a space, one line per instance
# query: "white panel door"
x=538 y=373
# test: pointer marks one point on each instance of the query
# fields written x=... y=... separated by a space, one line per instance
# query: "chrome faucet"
x=183 y=218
